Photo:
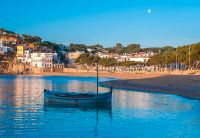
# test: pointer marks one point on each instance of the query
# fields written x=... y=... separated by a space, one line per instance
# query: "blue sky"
x=106 y=22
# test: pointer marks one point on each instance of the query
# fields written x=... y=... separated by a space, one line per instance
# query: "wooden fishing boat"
x=77 y=97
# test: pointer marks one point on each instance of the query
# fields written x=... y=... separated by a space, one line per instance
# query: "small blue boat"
x=77 y=98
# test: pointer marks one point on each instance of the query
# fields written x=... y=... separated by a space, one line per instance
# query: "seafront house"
x=23 y=52
x=42 y=60
x=26 y=58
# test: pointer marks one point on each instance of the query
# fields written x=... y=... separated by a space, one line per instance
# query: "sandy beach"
x=101 y=74
x=182 y=85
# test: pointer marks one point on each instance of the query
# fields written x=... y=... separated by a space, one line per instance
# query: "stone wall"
x=18 y=68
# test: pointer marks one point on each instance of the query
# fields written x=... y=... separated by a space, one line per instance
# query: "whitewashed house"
x=105 y=55
x=142 y=57
x=42 y=60
x=27 y=53
x=123 y=57
x=139 y=59
x=26 y=58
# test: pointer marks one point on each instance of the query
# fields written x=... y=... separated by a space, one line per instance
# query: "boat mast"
x=97 y=74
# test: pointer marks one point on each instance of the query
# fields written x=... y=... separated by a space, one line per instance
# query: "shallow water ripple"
x=133 y=114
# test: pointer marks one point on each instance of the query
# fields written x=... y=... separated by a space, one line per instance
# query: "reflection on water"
x=73 y=84
x=148 y=101
x=132 y=114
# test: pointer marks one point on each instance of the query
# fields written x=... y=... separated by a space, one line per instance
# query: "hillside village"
x=24 y=54
x=30 y=51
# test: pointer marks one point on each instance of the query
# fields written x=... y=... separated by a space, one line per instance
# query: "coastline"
x=181 y=84
x=90 y=74
x=187 y=86
x=119 y=75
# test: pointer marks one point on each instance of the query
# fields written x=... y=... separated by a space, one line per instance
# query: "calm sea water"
x=133 y=114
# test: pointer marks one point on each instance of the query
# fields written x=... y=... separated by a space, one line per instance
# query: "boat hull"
x=56 y=98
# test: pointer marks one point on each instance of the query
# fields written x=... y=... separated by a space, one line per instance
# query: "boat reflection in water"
x=107 y=107
x=98 y=112
x=58 y=102
x=79 y=101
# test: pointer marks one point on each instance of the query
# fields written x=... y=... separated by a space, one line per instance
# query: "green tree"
x=118 y=48
x=168 y=49
x=108 y=62
x=86 y=58
x=97 y=46
x=53 y=46
x=131 y=48
x=79 y=47
x=30 y=39
x=152 y=49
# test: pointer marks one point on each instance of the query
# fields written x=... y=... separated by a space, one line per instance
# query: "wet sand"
x=182 y=85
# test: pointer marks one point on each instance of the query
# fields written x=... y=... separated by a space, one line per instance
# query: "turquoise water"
x=133 y=114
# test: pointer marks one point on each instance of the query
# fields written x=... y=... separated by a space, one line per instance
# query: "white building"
x=42 y=60
x=89 y=49
x=139 y=59
x=5 y=49
x=106 y=55
x=103 y=55
x=26 y=57
x=142 y=57
x=27 y=53
x=123 y=57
